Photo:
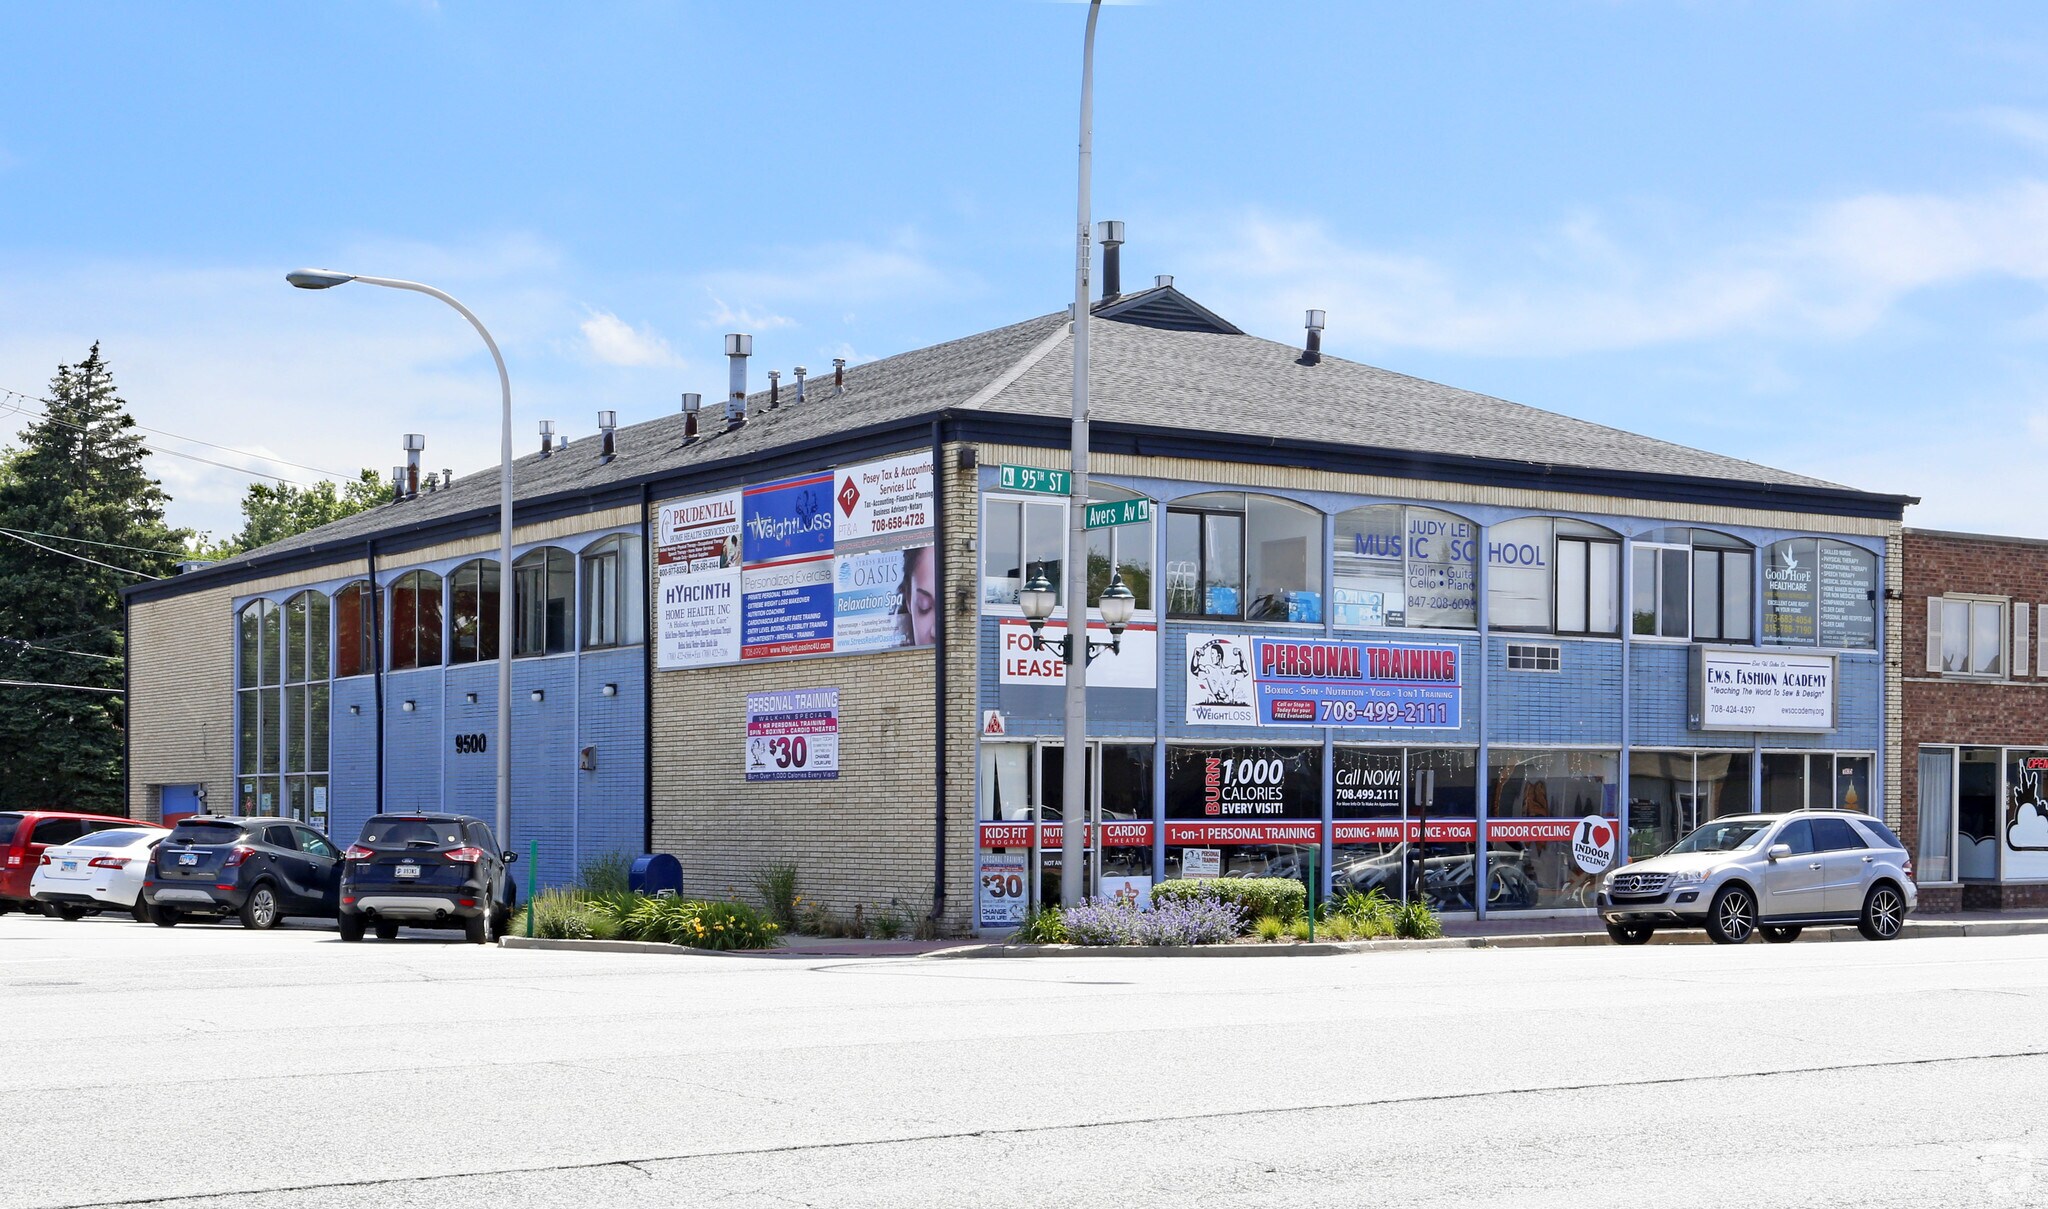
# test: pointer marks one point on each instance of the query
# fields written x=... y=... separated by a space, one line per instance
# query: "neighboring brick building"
x=796 y=636
x=1975 y=781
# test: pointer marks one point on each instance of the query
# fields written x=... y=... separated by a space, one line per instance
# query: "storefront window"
x=2024 y=821
x=1250 y=557
x=1529 y=865
x=1672 y=792
x=1022 y=539
x=543 y=602
x=1375 y=788
x=1404 y=566
x=1978 y=811
x=1228 y=799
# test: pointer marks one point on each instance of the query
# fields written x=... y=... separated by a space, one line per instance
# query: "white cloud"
x=723 y=315
x=615 y=342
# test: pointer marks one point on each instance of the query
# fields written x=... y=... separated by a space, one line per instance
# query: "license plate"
x=188 y=858
x=408 y=871
x=69 y=866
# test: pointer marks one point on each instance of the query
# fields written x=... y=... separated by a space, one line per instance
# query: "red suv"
x=23 y=836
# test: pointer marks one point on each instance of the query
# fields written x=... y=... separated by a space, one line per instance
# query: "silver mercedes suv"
x=1769 y=873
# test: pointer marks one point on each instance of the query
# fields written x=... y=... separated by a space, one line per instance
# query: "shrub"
x=1339 y=927
x=1415 y=921
x=607 y=876
x=1103 y=921
x=699 y=924
x=1371 y=915
x=1119 y=921
x=1254 y=897
x=1045 y=926
x=557 y=915
x=1269 y=928
x=888 y=923
x=777 y=887
x=1299 y=929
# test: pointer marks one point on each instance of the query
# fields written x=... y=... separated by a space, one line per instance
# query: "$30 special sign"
x=793 y=735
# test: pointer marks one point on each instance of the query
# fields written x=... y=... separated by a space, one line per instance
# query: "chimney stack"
x=838 y=375
x=547 y=438
x=738 y=347
x=1162 y=281
x=692 y=404
x=607 y=436
x=774 y=389
x=799 y=371
x=1313 y=354
x=415 y=443
x=1110 y=234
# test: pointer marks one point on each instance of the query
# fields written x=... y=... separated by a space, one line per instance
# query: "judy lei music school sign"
x=1234 y=680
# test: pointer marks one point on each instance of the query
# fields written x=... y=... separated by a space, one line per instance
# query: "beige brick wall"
x=866 y=838
x=181 y=716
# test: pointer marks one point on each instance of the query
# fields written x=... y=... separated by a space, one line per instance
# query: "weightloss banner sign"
x=1323 y=682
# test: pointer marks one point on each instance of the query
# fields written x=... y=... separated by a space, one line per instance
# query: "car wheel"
x=5 y=906
x=1884 y=913
x=261 y=910
x=165 y=917
x=1732 y=917
x=501 y=921
x=386 y=930
x=477 y=929
x=351 y=925
x=1630 y=934
x=72 y=914
x=140 y=911
x=1780 y=936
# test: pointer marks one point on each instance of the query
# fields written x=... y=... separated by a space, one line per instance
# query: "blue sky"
x=1813 y=235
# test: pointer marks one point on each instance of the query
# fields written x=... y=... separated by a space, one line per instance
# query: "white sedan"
x=96 y=872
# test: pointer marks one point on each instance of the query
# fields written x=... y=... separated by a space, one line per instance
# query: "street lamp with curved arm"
x=322 y=279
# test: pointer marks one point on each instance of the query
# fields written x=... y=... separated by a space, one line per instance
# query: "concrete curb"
x=1915 y=930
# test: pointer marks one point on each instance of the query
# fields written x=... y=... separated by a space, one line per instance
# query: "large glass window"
x=1553 y=575
x=1125 y=548
x=416 y=620
x=281 y=724
x=1404 y=566
x=1254 y=558
x=1965 y=636
x=1937 y=800
x=1021 y=539
x=1691 y=583
x=473 y=612
x=1242 y=783
x=543 y=602
x=1819 y=592
x=259 y=701
x=1535 y=867
x=1375 y=785
x=1672 y=792
x=355 y=630
x=614 y=578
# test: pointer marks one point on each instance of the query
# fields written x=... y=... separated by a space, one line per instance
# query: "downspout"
x=1482 y=808
x=1328 y=853
x=128 y=716
x=646 y=669
x=939 y=676
x=377 y=660
x=1628 y=594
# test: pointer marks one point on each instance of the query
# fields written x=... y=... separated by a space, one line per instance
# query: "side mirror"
x=1779 y=852
x=511 y=858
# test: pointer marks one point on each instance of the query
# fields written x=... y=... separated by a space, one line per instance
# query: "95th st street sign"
x=1036 y=479
x=1121 y=512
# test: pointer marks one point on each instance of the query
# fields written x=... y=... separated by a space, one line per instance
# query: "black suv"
x=262 y=869
x=427 y=871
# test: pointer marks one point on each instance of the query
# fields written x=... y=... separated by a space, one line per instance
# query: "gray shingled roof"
x=1206 y=381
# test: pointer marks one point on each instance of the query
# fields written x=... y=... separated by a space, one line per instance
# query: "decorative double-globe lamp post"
x=1037 y=599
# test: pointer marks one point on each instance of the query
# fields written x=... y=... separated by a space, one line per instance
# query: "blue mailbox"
x=655 y=874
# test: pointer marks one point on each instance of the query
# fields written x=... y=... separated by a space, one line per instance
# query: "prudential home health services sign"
x=793 y=735
x=1761 y=690
x=1234 y=680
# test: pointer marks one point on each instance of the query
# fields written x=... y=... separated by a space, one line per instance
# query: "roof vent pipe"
x=692 y=404
x=547 y=437
x=607 y=436
x=447 y=478
x=1110 y=234
x=799 y=371
x=838 y=375
x=397 y=483
x=1313 y=354
x=774 y=389
x=738 y=347
x=1163 y=282
x=415 y=443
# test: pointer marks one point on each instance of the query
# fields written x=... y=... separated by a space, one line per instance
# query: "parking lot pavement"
x=207 y=1065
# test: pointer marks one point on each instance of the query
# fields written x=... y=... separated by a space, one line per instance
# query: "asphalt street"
x=209 y=1066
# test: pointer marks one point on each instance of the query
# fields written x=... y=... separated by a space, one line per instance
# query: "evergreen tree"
x=82 y=519
x=272 y=512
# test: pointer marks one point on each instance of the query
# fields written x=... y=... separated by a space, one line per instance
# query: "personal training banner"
x=1234 y=680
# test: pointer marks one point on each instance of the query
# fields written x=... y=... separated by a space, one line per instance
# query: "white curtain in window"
x=1937 y=815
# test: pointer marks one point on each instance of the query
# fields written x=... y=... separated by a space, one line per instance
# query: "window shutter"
x=2022 y=630
x=1934 y=634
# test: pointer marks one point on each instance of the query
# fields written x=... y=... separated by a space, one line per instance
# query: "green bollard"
x=1312 y=895
x=532 y=881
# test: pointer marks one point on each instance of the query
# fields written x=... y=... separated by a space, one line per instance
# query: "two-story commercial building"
x=793 y=634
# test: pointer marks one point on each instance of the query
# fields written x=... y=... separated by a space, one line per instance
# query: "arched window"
x=614 y=579
x=355 y=630
x=258 y=705
x=1404 y=566
x=543 y=602
x=1229 y=554
x=416 y=620
x=473 y=612
x=1553 y=575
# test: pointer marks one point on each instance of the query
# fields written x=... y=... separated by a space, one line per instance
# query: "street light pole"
x=1074 y=765
x=320 y=279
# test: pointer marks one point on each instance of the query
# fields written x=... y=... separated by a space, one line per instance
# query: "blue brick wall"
x=1580 y=703
x=413 y=741
x=609 y=813
x=1658 y=702
x=352 y=758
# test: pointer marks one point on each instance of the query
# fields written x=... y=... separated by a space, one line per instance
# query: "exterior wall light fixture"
x=610 y=690
x=469 y=697
x=1117 y=604
x=408 y=707
x=355 y=710
x=540 y=694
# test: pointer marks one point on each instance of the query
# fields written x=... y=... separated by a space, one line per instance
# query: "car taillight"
x=242 y=852
x=44 y=859
x=108 y=862
x=1909 y=864
x=468 y=856
x=356 y=852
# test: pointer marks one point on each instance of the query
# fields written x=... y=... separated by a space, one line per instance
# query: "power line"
x=80 y=557
x=81 y=688
x=83 y=541
x=261 y=457
x=26 y=645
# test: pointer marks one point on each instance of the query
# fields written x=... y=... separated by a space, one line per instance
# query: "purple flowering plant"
x=1122 y=920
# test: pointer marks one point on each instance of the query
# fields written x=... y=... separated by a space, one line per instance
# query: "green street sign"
x=1037 y=479
x=1122 y=512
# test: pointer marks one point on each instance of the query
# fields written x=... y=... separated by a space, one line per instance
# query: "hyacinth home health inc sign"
x=1761 y=690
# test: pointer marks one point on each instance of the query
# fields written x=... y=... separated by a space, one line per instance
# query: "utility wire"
x=26 y=645
x=81 y=688
x=80 y=557
x=83 y=541
x=261 y=457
